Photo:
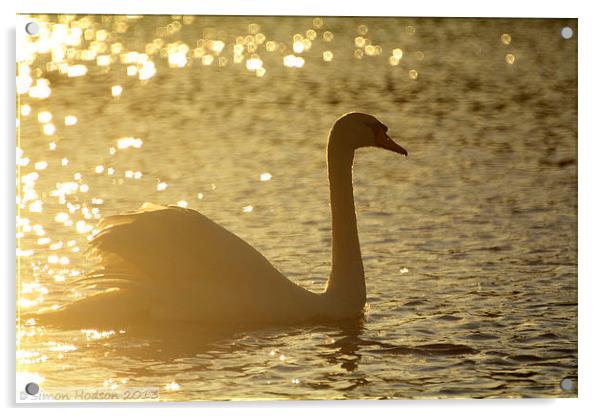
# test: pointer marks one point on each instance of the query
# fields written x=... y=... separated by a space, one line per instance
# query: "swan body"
x=162 y=264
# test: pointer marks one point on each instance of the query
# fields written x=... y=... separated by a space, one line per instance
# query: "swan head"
x=356 y=130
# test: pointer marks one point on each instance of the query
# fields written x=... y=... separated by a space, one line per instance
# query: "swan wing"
x=170 y=247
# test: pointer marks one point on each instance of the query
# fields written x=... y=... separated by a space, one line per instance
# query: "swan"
x=168 y=264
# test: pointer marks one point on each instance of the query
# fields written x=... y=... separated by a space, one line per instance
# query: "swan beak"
x=386 y=142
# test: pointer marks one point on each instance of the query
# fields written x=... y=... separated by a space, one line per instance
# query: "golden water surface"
x=469 y=245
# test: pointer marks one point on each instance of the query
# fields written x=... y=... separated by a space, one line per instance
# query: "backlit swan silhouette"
x=174 y=264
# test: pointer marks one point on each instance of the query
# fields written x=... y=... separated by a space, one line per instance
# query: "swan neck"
x=346 y=281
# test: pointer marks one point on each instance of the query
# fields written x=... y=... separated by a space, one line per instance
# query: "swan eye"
x=377 y=128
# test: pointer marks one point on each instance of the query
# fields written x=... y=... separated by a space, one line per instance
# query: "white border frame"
x=590 y=139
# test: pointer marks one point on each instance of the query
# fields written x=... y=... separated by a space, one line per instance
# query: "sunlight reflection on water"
x=469 y=245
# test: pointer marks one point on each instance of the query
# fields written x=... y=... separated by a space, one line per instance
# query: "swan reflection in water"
x=338 y=342
x=324 y=357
